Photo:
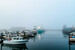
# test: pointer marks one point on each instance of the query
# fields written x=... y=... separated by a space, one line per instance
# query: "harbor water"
x=49 y=40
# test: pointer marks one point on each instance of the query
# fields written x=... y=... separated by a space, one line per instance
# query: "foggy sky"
x=50 y=14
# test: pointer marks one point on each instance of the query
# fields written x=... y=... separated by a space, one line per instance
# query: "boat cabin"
x=17 y=38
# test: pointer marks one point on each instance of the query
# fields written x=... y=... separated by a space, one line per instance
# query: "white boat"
x=34 y=32
x=72 y=36
x=15 y=40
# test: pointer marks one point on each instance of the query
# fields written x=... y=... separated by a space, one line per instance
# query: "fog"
x=50 y=14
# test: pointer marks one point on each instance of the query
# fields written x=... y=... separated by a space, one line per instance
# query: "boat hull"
x=15 y=42
x=72 y=39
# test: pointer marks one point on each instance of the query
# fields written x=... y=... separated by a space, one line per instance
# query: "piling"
x=69 y=38
x=1 y=38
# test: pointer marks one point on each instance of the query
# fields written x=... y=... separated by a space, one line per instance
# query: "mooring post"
x=1 y=46
x=69 y=41
x=69 y=38
x=1 y=38
x=24 y=34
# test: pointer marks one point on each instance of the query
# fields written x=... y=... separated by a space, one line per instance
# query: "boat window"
x=71 y=34
x=74 y=35
x=21 y=38
x=17 y=38
x=14 y=38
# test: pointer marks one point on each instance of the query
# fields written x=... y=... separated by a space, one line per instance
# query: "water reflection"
x=15 y=47
x=32 y=38
x=70 y=44
x=40 y=35
x=1 y=46
x=65 y=35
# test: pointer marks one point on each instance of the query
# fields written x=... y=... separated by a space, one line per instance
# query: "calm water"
x=50 y=40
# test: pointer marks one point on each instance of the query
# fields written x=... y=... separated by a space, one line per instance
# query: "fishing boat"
x=34 y=30
x=15 y=40
x=40 y=30
x=72 y=36
x=26 y=33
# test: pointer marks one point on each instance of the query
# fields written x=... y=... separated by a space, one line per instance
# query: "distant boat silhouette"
x=68 y=30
